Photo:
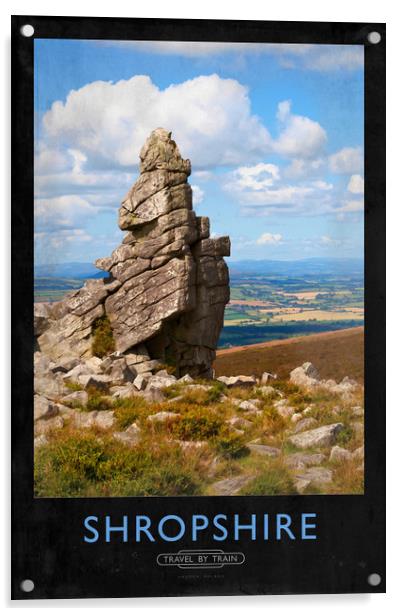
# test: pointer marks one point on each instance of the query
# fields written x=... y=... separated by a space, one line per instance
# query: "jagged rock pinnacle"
x=168 y=282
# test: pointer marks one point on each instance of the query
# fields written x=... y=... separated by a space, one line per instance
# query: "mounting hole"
x=27 y=585
x=374 y=579
x=27 y=30
x=374 y=38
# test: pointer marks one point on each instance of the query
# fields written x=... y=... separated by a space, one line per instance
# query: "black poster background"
x=47 y=542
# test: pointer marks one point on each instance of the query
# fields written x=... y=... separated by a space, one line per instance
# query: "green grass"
x=102 y=337
x=273 y=481
x=128 y=410
x=81 y=464
x=230 y=446
x=197 y=424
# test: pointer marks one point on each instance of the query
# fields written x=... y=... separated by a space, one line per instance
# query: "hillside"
x=335 y=354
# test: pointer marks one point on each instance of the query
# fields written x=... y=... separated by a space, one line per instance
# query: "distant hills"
x=301 y=267
x=68 y=270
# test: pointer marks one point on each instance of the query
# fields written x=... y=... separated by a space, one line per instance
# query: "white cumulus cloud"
x=257 y=177
x=356 y=185
x=300 y=136
x=346 y=160
x=269 y=238
x=351 y=206
x=108 y=122
x=198 y=194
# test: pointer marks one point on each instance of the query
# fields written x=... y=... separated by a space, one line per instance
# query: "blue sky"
x=274 y=133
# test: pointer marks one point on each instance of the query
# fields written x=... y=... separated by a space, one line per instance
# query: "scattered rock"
x=191 y=445
x=131 y=439
x=301 y=460
x=305 y=375
x=41 y=364
x=248 y=405
x=41 y=317
x=94 y=365
x=358 y=427
x=134 y=428
x=325 y=436
x=96 y=381
x=73 y=374
x=314 y=476
x=66 y=363
x=239 y=422
x=267 y=390
x=238 y=381
x=118 y=371
x=160 y=381
x=140 y=382
x=44 y=426
x=283 y=408
x=185 y=379
x=357 y=411
x=162 y=417
x=305 y=424
x=345 y=387
x=339 y=454
x=76 y=397
x=358 y=453
x=50 y=386
x=104 y=419
x=264 y=450
x=139 y=357
x=153 y=394
x=40 y=441
x=296 y=417
x=231 y=486
x=266 y=377
x=43 y=408
x=145 y=367
x=124 y=391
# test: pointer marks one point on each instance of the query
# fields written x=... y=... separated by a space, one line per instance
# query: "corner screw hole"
x=374 y=38
x=374 y=579
x=27 y=30
x=27 y=585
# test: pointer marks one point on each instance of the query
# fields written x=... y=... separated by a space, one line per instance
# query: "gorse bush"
x=102 y=337
x=197 y=424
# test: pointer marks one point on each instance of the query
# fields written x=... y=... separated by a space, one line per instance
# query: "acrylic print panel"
x=274 y=134
x=201 y=210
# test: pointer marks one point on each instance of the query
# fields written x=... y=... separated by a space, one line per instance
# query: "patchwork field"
x=268 y=300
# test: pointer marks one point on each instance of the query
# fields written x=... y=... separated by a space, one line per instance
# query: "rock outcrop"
x=168 y=283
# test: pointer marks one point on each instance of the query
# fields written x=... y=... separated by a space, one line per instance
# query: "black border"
x=47 y=541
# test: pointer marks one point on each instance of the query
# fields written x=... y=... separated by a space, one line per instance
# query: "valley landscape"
x=269 y=300
x=212 y=342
